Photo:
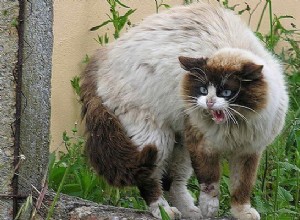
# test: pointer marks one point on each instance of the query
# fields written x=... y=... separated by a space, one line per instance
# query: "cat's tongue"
x=218 y=116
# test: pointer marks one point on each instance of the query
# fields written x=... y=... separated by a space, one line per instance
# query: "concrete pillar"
x=36 y=85
x=28 y=134
x=9 y=12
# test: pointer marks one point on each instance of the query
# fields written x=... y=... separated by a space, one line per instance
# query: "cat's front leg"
x=242 y=178
x=207 y=168
x=206 y=164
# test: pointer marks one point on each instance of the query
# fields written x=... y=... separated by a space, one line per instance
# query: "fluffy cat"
x=181 y=90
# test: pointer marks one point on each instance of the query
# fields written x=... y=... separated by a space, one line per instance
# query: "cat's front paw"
x=192 y=212
x=209 y=205
x=245 y=212
x=171 y=211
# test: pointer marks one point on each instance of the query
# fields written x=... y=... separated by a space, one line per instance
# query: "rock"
x=73 y=208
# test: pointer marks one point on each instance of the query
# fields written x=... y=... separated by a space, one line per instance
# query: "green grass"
x=277 y=191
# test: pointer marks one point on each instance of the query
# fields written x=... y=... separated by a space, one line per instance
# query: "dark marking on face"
x=241 y=84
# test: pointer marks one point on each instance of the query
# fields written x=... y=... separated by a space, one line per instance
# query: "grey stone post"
x=36 y=85
x=9 y=12
x=27 y=133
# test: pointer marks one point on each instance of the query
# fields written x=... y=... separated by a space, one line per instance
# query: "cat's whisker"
x=224 y=79
x=201 y=70
x=190 y=109
x=240 y=114
x=234 y=97
x=232 y=117
x=227 y=118
x=192 y=101
x=230 y=74
x=200 y=78
x=188 y=96
x=245 y=107
x=185 y=112
x=192 y=104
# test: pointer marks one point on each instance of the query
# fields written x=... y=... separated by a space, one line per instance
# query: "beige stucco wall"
x=73 y=40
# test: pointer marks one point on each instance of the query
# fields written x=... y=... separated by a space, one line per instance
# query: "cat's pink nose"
x=210 y=103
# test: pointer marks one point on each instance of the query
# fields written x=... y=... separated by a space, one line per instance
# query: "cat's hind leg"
x=151 y=190
x=175 y=182
x=144 y=131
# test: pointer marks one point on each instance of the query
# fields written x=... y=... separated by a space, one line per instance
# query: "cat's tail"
x=110 y=151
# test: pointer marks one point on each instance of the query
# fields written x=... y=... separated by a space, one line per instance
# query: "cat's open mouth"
x=218 y=116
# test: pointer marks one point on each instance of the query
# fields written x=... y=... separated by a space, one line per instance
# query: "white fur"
x=208 y=205
x=209 y=201
x=245 y=212
x=141 y=79
x=181 y=199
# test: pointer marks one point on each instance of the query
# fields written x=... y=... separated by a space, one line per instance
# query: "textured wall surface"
x=9 y=11
x=36 y=75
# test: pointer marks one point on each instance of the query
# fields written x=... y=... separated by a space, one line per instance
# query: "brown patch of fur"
x=206 y=163
x=110 y=152
x=248 y=165
x=210 y=189
x=150 y=190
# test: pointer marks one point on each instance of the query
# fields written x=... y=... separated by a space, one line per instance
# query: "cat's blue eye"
x=226 y=93
x=203 y=90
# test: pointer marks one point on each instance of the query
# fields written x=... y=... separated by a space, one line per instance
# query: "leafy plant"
x=164 y=214
x=102 y=40
x=161 y=4
x=75 y=84
x=115 y=18
x=187 y=2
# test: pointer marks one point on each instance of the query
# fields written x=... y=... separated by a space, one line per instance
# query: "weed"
x=116 y=19
x=164 y=214
x=15 y=23
x=161 y=4
x=75 y=84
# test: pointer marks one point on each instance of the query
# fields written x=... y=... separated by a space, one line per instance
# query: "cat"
x=175 y=94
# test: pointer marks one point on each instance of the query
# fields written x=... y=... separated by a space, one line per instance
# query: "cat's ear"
x=252 y=71
x=188 y=63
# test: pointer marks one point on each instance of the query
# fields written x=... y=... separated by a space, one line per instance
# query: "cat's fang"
x=218 y=116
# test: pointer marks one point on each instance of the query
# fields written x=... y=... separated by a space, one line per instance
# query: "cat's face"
x=227 y=89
